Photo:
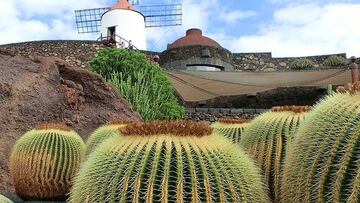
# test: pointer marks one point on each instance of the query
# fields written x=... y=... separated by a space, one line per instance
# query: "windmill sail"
x=89 y=20
x=162 y=15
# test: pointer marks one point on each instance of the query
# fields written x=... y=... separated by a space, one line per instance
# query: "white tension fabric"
x=203 y=85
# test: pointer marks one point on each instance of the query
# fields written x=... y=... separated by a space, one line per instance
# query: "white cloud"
x=236 y=15
x=307 y=29
x=23 y=20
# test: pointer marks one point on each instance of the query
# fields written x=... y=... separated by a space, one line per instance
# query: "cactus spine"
x=266 y=140
x=231 y=128
x=174 y=161
x=44 y=160
x=4 y=199
x=102 y=133
x=323 y=164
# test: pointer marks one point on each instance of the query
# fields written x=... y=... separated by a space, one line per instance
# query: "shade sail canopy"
x=203 y=85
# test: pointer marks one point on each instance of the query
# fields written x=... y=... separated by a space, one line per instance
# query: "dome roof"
x=194 y=37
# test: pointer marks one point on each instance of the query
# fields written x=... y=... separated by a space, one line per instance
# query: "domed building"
x=196 y=52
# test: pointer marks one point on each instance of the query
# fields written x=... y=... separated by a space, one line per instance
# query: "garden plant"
x=323 y=163
x=231 y=128
x=267 y=138
x=44 y=160
x=168 y=161
x=142 y=83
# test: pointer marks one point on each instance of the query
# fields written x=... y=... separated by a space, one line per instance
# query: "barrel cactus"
x=44 y=161
x=102 y=133
x=323 y=164
x=4 y=199
x=267 y=138
x=173 y=161
x=231 y=128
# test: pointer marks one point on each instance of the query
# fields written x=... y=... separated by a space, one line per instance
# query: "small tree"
x=143 y=84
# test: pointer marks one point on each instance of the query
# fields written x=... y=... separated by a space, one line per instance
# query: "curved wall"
x=129 y=25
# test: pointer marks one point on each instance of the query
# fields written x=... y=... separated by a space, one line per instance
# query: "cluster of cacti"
x=323 y=164
x=175 y=161
x=44 y=160
x=102 y=133
x=267 y=138
x=336 y=61
x=301 y=64
x=4 y=199
x=231 y=128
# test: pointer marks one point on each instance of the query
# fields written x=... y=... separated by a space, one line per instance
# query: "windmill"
x=125 y=21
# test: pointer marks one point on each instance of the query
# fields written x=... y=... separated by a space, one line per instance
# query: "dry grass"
x=178 y=128
x=53 y=126
x=120 y=122
x=233 y=121
x=295 y=109
x=351 y=88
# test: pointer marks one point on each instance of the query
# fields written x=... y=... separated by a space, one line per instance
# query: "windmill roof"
x=123 y=4
x=194 y=37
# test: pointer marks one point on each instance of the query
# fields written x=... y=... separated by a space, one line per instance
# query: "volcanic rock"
x=36 y=90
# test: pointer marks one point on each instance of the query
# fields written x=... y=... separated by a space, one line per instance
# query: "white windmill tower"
x=125 y=21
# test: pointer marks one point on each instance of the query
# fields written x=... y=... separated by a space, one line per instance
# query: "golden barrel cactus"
x=44 y=161
x=323 y=165
x=231 y=128
x=102 y=133
x=267 y=138
x=4 y=199
x=173 y=161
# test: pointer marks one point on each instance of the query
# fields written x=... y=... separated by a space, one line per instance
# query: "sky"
x=283 y=27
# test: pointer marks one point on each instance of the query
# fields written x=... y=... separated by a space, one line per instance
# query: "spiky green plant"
x=4 y=199
x=267 y=138
x=231 y=128
x=44 y=161
x=323 y=164
x=102 y=133
x=335 y=61
x=175 y=161
x=301 y=64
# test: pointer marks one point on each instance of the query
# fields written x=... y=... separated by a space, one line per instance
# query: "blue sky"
x=284 y=27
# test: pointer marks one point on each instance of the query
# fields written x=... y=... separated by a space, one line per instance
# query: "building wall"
x=180 y=57
x=132 y=26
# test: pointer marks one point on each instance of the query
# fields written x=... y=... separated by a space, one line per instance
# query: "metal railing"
x=118 y=41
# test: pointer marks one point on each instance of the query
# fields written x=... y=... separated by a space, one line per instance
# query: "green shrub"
x=335 y=61
x=4 y=199
x=176 y=161
x=267 y=138
x=301 y=64
x=143 y=84
x=323 y=163
x=232 y=129
x=44 y=160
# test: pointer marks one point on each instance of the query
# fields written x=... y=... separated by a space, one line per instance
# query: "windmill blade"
x=134 y=2
x=162 y=15
x=89 y=20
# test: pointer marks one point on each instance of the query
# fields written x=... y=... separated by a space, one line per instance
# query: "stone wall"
x=213 y=114
x=265 y=100
x=75 y=52
x=81 y=52
x=265 y=61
